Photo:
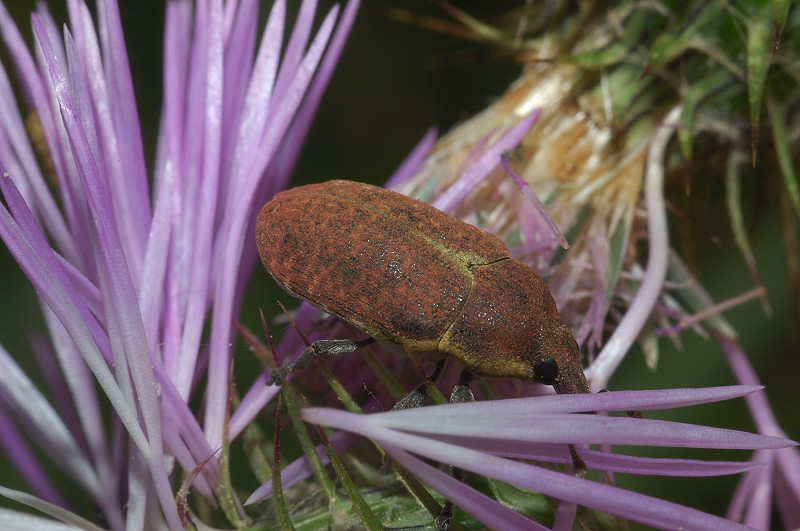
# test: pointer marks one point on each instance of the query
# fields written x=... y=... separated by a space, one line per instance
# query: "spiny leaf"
x=780 y=10
x=278 y=501
x=304 y=438
x=360 y=506
x=617 y=49
x=670 y=45
x=783 y=152
x=758 y=61
x=734 y=204
x=697 y=93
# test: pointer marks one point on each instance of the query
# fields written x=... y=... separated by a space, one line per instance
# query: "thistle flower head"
x=140 y=276
x=130 y=268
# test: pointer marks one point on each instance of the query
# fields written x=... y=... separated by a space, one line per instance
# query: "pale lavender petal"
x=531 y=196
x=295 y=48
x=641 y=307
x=633 y=506
x=199 y=225
x=578 y=403
x=127 y=129
x=26 y=521
x=597 y=460
x=575 y=429
x=46 y=426
x=787 y=487
x=240 y=26
x=565 y=516
x=230 y=232
x=151 y=290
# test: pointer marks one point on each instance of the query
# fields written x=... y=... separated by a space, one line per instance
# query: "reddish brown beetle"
x=409 y=274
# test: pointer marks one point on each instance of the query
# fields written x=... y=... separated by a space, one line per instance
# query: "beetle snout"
x=561 y=364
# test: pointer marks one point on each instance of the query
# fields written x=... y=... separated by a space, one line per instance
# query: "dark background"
x=385 y=94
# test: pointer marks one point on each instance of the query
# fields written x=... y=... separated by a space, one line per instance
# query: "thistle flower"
x=102 y=287
x=130 y=268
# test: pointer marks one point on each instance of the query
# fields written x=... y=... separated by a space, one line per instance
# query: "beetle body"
x=409 y=274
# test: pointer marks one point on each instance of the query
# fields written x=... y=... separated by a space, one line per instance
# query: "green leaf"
x=618 y=48
x=304 y=438
x=669 y=45
x=360 y=506
x=618 y=250
x=780 y=10
x=699 y=91
x=784 y=154
x=278 y=501
x=734 y=204
x=758 y=61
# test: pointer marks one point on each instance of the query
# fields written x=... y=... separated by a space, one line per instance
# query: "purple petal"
x=596 y=460
x=578 y=403
x=19 y=454
x=787 y=487
x=489 y=160
x=126 y=330
x=413 y=161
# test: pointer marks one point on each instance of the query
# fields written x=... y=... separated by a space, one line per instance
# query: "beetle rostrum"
x=408 y=274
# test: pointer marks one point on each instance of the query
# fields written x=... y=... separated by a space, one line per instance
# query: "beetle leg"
x=578 y=465
x=461 y=393
x=416 y=398
x=323 y=347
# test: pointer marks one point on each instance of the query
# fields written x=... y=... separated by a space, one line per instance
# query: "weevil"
x=410 y=275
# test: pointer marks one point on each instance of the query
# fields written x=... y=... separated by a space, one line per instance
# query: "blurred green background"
x=385 y=94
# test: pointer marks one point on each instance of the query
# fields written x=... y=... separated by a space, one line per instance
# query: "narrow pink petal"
x=413 y=161
x=488 y=161
x=125 y=327
x=19 y=454
x=31 y=250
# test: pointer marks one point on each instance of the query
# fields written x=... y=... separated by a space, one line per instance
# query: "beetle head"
x=558 y=363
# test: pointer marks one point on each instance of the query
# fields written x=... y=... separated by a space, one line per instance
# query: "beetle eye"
x=546 y=371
